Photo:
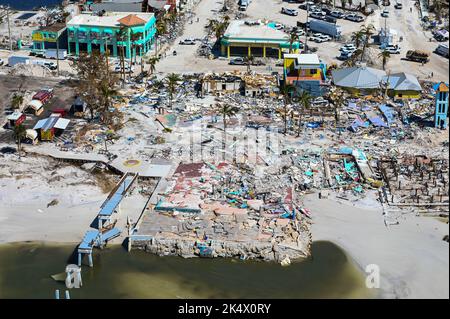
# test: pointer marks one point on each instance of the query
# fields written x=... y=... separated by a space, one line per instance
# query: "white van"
x=442 y=49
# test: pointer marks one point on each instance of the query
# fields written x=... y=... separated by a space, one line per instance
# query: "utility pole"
x=306 y=28
x=9 y=29
x=57 y=52
x=107 y=55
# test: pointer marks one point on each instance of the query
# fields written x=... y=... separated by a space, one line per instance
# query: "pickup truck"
x=417 y=56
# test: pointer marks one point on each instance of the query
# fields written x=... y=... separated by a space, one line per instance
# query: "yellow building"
x=306 y=72
x=259 y=40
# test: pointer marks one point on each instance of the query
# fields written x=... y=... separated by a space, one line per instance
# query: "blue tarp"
x=357 y=123
x=376 y=120
x=388 y=113
x=346 y=150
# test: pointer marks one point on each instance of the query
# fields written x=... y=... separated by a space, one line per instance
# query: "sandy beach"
x=27 y=189
x=413 y=258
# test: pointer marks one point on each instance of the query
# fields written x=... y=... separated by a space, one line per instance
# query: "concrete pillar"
x=129 y=45
x=115 y=49
x=79 y=259
x=264 y=51
x=279 y=53
x=228 y=51
x=249 y=50
x=91 y=263
x=77 y=48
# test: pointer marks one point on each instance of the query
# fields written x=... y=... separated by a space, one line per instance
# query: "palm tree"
x=358 y=37
x=172 y=81
x=286 y=91
x=368 y=31
x=337 y=97
x=152 y=64
x=249 y=61
x=352 y=61
x=384 y=56
x=161 y=28
x=293 y=37
x=305 y=101
x=219 y=29
x=343 y=3
x=19 y=134
x=227 y=111
x=121 y=36
x=134 y=37
x=16 y=101
x=211 y=25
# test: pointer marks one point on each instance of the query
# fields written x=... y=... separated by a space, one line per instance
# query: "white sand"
x=413 y=258
x=29 y=184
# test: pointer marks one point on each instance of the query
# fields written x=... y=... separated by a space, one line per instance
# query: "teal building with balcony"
x=134 y=32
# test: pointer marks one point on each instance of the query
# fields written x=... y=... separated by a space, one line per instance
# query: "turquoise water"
x=25 y=271
x=29 y=4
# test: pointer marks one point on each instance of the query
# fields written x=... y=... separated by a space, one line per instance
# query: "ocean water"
x=25 y=271
x=29 y=4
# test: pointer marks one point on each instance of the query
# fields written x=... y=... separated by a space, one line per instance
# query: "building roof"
x=109 y=19
x=403 y=82
x=304 y=60
x=56 y=27
x=52 y=122
x=35 y=104
x=358 y=77
x=14 y=116
x=441 y=87
x=240 y=30
x=132 y=20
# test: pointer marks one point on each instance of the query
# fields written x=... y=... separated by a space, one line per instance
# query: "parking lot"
x=404 y=21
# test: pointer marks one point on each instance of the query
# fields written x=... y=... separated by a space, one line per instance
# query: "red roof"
x=132 y=20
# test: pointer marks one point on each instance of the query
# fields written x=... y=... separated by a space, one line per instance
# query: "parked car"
x=300 y=32
x=330 y=19
x=258 y=62
x=1 y=62
x=317 y=15
x=305 y=4
x=354 y=17
x=324 y=37
x=237 y=61
x=337 y=14
x=345 y=56
x=187 y=42
x=348 y=47
x=279 y=26
x=317 y=38
x=392 y=49
x=442 y=49
x=385 y=13
x=290 y=12
x=398 y=6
